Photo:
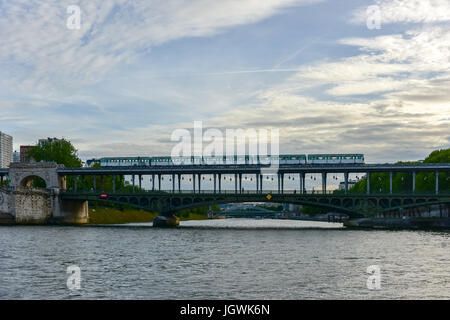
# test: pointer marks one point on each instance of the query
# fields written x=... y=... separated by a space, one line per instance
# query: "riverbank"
x=400 y=223
x=99 y=215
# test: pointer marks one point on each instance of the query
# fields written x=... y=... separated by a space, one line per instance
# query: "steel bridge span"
x=258 y=171
x=354 y=205
x=371 y=203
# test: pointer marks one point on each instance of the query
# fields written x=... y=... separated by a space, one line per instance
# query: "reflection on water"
x=223 y=259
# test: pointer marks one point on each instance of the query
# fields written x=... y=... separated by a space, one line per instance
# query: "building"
x=16 y=156
x=6 y=150
x=24 y=153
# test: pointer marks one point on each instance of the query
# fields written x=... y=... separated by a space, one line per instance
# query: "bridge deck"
x=249 y=169
x=252 y=169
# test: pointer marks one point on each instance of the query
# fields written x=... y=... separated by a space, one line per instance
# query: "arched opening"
x=33 y=182
x=144 y=202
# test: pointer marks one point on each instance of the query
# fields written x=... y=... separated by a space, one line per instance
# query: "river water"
x=223 y=259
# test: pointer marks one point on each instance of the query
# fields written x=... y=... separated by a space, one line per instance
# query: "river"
x=223 y=259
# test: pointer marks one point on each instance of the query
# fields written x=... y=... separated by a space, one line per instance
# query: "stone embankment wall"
x=35 y=206
x=32 y=206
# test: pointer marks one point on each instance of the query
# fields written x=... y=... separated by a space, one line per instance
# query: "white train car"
x=335 y=158
x=292 y=159
x=299 y=159
x=161 y=161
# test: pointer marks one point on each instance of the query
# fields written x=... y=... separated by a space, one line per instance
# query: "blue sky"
x=137 y=70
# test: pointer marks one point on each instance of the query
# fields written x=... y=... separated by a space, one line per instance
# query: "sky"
x=327 y=74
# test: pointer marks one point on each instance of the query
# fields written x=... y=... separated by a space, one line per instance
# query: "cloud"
x=415 y=62
x=47 y=55
x=388 y=100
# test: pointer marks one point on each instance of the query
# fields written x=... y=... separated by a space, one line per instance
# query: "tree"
x=59 y=151
x=402 y=182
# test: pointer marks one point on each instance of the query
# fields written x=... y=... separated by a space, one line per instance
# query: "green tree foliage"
x=403 y=182
x=104 y=183
x=60 y=151
x=312 y=210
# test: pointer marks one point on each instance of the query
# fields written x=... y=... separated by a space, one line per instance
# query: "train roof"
x=335 y=154
x=281 y=155
x=165 y=157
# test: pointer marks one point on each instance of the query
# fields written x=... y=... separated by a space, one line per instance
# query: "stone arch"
x=28 y=180
x=21 y=173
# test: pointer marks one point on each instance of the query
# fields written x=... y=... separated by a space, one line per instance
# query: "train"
x=233 y=160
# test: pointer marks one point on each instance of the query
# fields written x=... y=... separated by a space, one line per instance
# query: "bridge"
x=371 y=203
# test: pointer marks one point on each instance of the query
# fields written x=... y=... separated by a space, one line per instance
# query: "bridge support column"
x=414 y=182
x=282 y=183
x=220 y=182
x=215 y=180
x=257 y=182
x=159 y=182
x=300 y=183
x=95 y=183
x=114 y=183
x=437 y=181
x=153 y=182
x=240 y=182
x=70 y=212
x=199 y=182
x=279 y=183
x=303 y=175
x=390 y=182
x=133 y=179
x=235 y=183
x=324 y=182
x=140 y=181
x=261 y=183
x=75 y=181
x=368 y=182
x=346 y=182
x=173 y=183
x=193 y=182
x=179 y=182
x=167 y=220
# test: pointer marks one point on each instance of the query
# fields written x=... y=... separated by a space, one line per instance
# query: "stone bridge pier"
x=22 y=204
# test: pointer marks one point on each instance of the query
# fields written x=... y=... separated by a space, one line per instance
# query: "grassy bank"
x=101 y=213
